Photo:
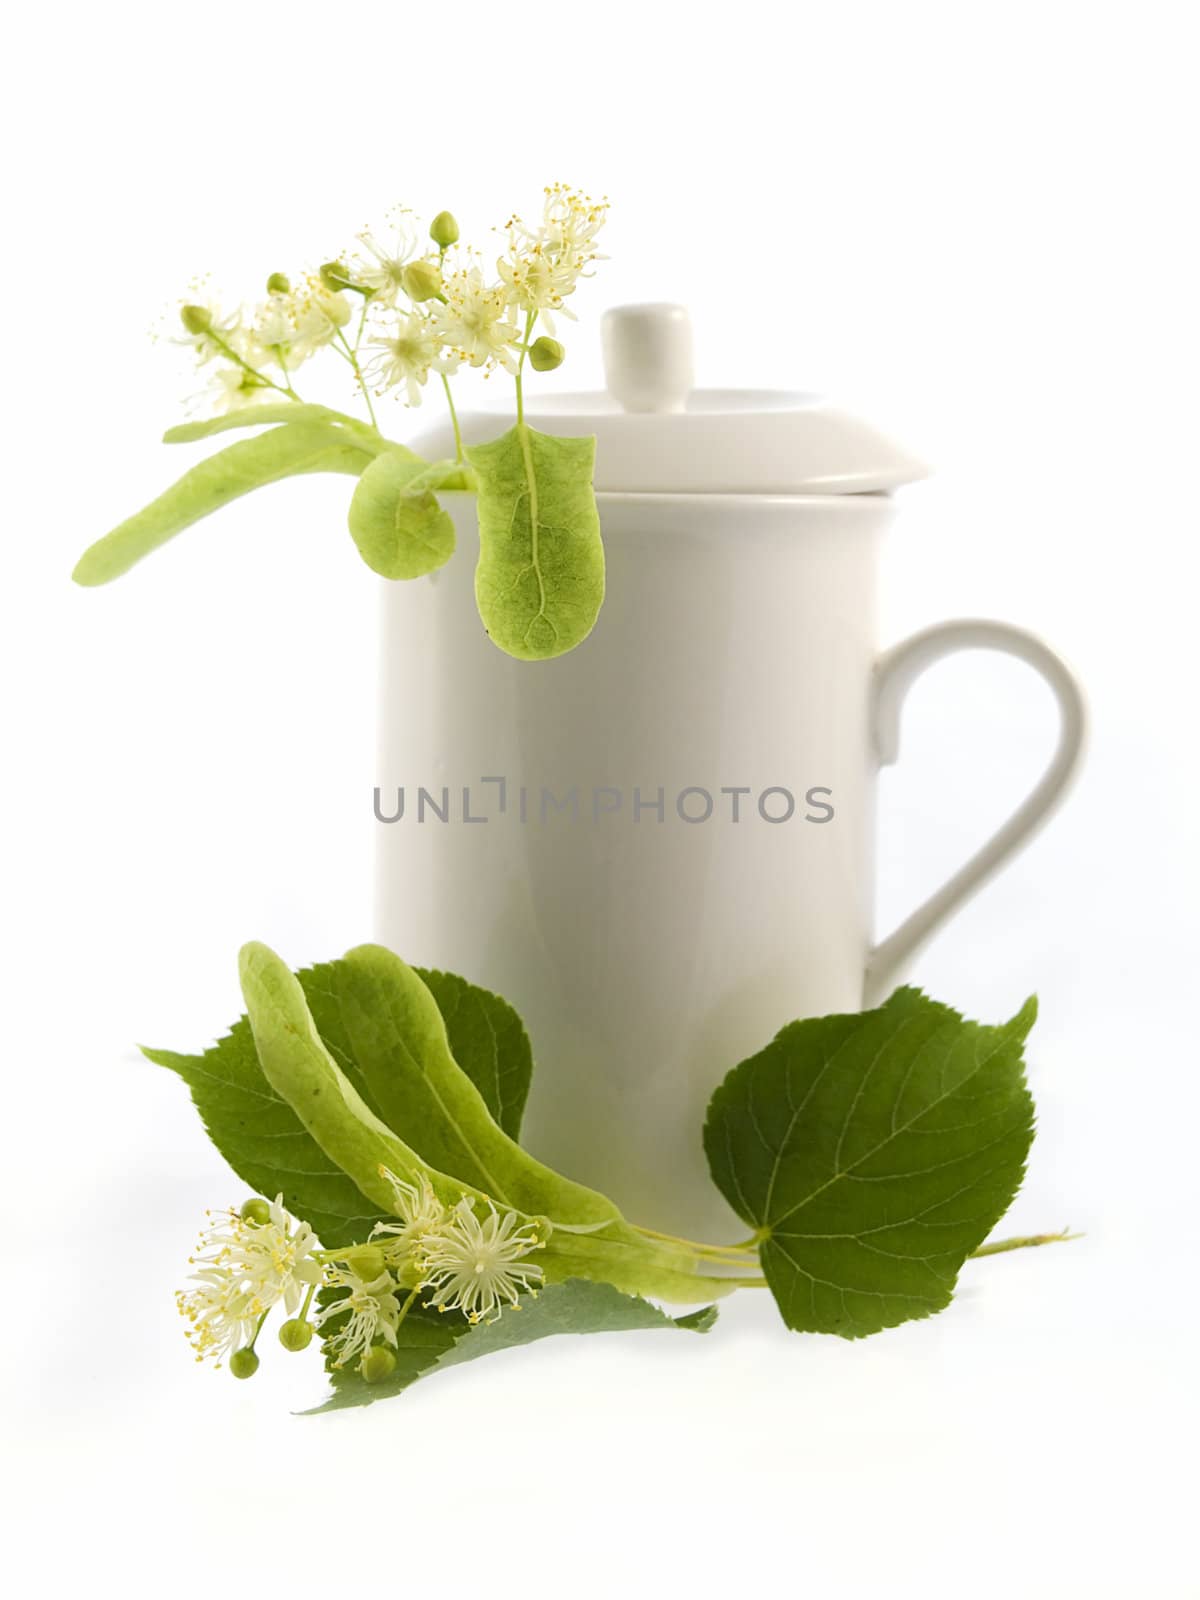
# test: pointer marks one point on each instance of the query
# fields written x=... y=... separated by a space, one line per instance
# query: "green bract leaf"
x=539 y=584
x=297 y=1065
x=290 y=411
x=249 y=464
x=395 y=520
x=428 y=1341
x=375 y=1084
x=399 y=1042
x=488 y=1041
x=265 y=1142
x=873 y=1153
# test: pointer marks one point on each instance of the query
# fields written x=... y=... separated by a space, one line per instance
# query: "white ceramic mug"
x=736 y=661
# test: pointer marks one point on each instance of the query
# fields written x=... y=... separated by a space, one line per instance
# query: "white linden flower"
x=406 y=350
x=478 y=1267
x=570 y=223
x=422 y=1217
x=233 y=388
x=544 y=264
x=244 y=1270
x=226 y=325
x=537 y=283
x=474 y=321
x=317 y=315
x=286 y=330
x=381 y=267
x=373 y=1313
x=274 y=326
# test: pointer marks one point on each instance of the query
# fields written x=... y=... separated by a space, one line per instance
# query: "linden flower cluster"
x=403 y=304
x=250 y=1261
x=254 y=354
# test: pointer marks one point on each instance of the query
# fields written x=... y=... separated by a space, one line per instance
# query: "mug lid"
x=656 y=434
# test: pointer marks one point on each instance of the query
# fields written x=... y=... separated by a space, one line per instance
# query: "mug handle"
x=895 y=673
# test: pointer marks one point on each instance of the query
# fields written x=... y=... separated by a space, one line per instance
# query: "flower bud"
x=243 y=1363
x=366 y=1261
x=546 y=354
x=421 y=280
x=296 y=1334
x=256 y=1211
x=278 y=283
x=378 y=1363
x=335 y=276
x=443 y=230
x=196 y=319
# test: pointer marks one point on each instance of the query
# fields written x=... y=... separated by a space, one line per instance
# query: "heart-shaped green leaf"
x=873 y=1153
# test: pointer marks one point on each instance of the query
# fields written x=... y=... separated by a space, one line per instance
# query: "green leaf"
x=539 y=584
x=297 y=1065
x=249 y=464
x=487 y=1038
x=488 y=1041
x=429 y=1341
x=290 y=411
x=873 y=1153
x=399 y=1042
x=264 y=1141
x=381 y=1056
x=266 y=1144
x=396 y=522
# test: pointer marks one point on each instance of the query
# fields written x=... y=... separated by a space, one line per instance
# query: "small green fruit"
x=257 y=1212
x=196 y=319
x=278 y=283
x=378 y=1363
x=366 y=1261
x=334 y=276
x=296 y=1334
x=243 y=1363
x=443 y=230
x=546 y=354
x=421 y=280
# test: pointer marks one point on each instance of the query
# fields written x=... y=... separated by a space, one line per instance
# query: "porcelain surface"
x=737 y=649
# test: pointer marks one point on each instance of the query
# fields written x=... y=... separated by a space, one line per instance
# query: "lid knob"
x=648 y=356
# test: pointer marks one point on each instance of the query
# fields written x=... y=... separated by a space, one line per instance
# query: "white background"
x=972 y=222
